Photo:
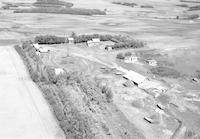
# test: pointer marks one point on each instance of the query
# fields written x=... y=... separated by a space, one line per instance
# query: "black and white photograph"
x=99 y=69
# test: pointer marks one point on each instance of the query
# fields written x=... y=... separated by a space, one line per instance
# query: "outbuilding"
x=43 y=50
x=71 y=40
x=152 y=62
x=96 y=40
x=135 y=77
x=59 y=71
x=36 y=46
x=130 y=59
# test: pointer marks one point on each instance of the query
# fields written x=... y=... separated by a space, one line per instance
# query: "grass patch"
x=165 y=72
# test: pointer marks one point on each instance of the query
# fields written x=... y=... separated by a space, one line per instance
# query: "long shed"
x=135 y=77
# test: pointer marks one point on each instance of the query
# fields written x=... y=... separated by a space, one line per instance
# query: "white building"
x=43 y=50
x=59 y=71
x=96 y=40
x=71 y=40
x=36 y=46
x=130 y=59
x=152 y=62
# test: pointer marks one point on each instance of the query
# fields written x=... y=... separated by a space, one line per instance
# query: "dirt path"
x=24 y=112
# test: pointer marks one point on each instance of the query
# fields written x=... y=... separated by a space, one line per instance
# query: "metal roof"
x=135 y=77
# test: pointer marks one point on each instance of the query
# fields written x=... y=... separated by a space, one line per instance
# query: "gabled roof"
x=36 y=46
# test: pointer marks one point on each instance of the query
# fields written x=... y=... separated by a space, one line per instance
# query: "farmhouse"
x=152 y=62
x=96 y=40
x=135 y=77
x=130 y=59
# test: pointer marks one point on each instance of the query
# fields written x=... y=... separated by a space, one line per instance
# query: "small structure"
x=43 y=50
x=96 y=40
x=90 y=43
x=71 y=40
x=109 y=47
x=135 y=77
x=59 y=71
x=196 y=80
x=130 y=59
x=152 y=62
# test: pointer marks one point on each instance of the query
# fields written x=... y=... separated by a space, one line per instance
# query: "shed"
x=152 y=62
x=59 y=71
x=130 y=59
x=43 y=50
x=71 y=40
x=135 y=77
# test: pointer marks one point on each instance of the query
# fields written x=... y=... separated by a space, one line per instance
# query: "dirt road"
x=24 y=113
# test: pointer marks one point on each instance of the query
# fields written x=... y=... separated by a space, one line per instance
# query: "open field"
x=24 y=112
x=170 y=95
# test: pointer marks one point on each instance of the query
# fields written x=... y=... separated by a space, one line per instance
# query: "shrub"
x=51 y=74
x=194 y=8
x=108 y=92
x=49 y=39
x=120 y=56
x=146 y=6
x=125 y=4
x=52 y=3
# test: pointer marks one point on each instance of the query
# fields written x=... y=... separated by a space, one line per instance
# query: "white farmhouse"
x=130 y=59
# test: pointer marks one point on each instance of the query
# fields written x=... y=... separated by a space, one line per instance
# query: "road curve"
x=24 y=113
